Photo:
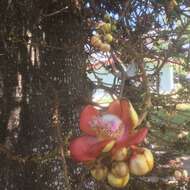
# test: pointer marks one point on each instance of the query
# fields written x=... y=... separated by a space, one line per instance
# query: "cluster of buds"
x=181 y=174
x=125 y=161
x=109 y=148
x=103 y=38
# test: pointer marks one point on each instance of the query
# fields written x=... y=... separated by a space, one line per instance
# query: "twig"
x=147 y=100
x=56 y=12
x=122 y=83
x=122 y=75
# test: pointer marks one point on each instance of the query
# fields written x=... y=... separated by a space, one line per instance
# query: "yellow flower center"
x=108 y=126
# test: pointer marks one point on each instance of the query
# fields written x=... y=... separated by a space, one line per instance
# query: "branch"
x=56 y=12
x=147 y=100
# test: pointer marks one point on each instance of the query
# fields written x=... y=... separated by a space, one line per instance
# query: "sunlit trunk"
x=49 y=65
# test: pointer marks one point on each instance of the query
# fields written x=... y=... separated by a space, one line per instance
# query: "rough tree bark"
x=43 y=59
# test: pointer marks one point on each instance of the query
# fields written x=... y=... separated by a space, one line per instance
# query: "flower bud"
x=116 y=181
x=105 y=47
x=185 y=173
x=177 y=174
x=113 y=27
x=119 y=169
x=99 y=172
x=108 y=38
x=120 y=154
x=141 y=163
x=106 y=28
x=96 y=42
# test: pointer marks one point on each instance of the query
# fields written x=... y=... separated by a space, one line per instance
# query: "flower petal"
x=88 y=113
x=86 y=148
x=121 y=141
x=126 y=112
x=137 y=137
x=131 y=139
x=124 y=137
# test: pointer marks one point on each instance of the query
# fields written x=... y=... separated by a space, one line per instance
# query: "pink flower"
x=101 y=128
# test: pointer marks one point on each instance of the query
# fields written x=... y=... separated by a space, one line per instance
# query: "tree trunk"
x=49 y=62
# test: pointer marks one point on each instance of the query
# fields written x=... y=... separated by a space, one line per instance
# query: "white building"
x=166 y=79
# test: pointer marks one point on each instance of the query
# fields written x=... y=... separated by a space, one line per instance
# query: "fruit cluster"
x=181 y=174
x=103 y=38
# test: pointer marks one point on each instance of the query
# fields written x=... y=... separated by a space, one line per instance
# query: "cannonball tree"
x=48 y=48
